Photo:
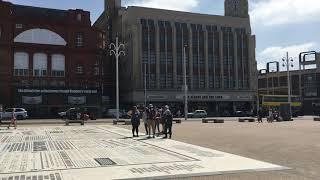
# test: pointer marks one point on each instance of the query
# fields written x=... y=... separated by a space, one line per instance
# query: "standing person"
x=13 y=119
x=152 y=120
x=145 y=120
x=270 y=117
x=259 y=116
x=1 y=112
x=168 y=122
x=162 y=120
x=178 y=114
x=135 y=121
x=158 y=119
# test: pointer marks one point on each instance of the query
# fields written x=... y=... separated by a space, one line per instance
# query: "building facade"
x=304 y=84
x=220 y=56
x=50 y=59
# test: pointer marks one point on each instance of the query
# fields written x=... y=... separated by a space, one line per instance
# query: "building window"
x=96 y=69
x=79 y=69
x=79 y=17
x=58 y=65
x=21 y=64
x=18 y=26
x=40 y=63
x=79 y=40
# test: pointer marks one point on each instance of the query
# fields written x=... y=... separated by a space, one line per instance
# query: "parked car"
x=240 y=114
x=20 y=113
x=198 y=114
x=72 y=114
x=112 y=113
x=243 y=114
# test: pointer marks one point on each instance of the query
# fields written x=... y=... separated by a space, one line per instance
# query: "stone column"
x=190 y=57
x=139 y=49
x=221 y=57
x=138 y=69
x=214 y=60
x=206 y=57
x=49 y=65
x=236 y=67
x=242 y=60
x=318 y=61
x=252 y=64
x=157 y=54
x=174 y=55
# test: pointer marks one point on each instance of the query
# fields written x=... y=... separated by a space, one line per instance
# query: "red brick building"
x=50 y=60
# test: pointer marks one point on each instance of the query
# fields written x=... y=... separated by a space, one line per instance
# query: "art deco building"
x=220 y=55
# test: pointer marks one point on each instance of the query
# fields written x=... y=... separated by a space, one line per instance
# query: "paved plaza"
x=109 y=152
x=295 y=145
x=291 y=144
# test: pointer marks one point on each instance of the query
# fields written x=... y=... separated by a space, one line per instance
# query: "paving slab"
x=108 y=152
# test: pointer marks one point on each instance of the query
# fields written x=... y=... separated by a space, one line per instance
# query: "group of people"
x=272 y=116
x=152 y=119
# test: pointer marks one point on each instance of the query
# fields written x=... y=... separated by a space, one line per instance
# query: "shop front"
x=46 y=103
x=215 y=103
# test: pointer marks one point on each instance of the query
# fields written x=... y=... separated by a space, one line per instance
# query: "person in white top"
x=13 y=119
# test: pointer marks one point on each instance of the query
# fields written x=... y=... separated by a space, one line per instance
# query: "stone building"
x=50 y=59
x=220 y=56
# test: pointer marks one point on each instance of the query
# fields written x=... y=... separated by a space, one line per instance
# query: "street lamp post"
x=287 y=63
x=117 y=50
x=272 y=83
x=145 y=84
x=185 y=84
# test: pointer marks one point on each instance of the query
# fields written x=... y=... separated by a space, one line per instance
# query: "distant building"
x=220 y=54
x=308 y=89
x=49 y=59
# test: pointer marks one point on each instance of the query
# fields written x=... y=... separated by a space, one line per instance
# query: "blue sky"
x=279 y=25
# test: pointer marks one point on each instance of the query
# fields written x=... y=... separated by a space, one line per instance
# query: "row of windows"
x=55 y=83
x=182 y=37
x=54 y=73
x=38 y=73
x=210 y=28
x=40 y=65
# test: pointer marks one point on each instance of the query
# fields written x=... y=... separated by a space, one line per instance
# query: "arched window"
x=58 y=65
x=21 y=64
x=40 y=64
x=40 y=36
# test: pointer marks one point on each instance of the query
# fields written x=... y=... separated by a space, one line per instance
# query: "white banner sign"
x=205 y=97
x=56 y=91
x=32 y=100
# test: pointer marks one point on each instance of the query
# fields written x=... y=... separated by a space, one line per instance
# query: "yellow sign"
x=293 y=104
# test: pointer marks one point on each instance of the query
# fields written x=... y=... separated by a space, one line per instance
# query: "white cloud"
x=179 y=5
x=276 y=53
x=278 y=12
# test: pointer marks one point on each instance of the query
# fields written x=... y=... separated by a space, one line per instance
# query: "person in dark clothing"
x=135 y=121
x=168 y=122
x=145 y=120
